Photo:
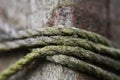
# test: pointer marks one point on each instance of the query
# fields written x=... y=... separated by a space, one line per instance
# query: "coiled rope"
x=78 y=49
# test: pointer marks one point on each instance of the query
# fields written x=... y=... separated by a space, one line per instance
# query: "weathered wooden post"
x=18 y=15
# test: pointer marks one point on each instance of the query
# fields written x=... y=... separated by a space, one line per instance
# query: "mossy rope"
x=76 y=48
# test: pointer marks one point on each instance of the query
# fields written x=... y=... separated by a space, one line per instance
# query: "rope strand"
x=61 y=40
x=64 y=31
x=53 y=50
x=94 y=51
x=83 y=67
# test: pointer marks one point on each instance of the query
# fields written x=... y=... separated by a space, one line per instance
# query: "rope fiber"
x=78 y=49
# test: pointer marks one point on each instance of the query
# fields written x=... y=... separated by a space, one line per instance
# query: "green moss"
x=83 y=67
x=92 y=48
x=64 y=31
x=55 y=50
x=62 y=40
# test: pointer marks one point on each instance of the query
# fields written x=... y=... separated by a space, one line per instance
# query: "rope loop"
x=78 y=49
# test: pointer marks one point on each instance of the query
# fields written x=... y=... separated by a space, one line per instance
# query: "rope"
x=90 y=53
x=61 y=40
x=64 y=31
x=83 y=67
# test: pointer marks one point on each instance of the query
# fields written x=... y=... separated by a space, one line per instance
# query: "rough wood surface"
x=18 y=15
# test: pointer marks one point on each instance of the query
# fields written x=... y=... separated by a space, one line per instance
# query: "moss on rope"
x=61 y=40
x=83 y=67
x=64 y=31
x=91 y=52
x=53 y=50
x=81 y=53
